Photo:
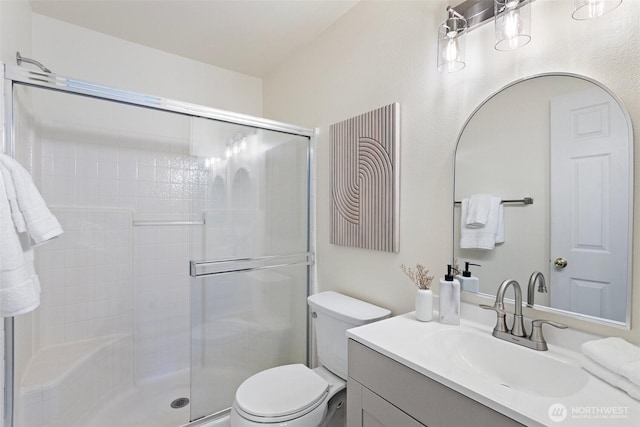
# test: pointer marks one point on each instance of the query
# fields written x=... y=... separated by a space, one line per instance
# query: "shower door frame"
x=18 y=75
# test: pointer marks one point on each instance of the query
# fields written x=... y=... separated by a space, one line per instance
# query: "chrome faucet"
x=518 y=326
x=517 y=334
x=536 y=276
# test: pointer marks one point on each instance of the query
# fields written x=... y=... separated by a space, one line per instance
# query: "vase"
x=424 y=305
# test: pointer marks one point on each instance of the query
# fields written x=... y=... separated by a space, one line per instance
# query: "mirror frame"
x=626 y=325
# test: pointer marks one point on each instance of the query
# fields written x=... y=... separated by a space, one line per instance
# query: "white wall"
x=15 y=30
x=76 y=52
x=381 y=52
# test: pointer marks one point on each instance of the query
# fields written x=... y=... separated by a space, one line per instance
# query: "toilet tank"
x=334 y=313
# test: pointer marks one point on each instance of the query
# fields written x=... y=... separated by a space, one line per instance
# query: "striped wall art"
x=365 y=180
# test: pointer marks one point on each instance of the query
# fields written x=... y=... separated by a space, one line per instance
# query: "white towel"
x=487 y=236
x=478 y=210
x=16 y=215
x=19 y=293
x=24 y=218
x=631 y=371
x=40 y=222
x=611 y=378
x=612 y=353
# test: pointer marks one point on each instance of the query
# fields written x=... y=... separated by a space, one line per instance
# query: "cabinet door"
x=377 y=412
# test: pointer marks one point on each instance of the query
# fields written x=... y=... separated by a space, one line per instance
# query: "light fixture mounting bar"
x=476 y=12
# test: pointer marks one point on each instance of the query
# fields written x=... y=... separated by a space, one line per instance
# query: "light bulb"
x=512 y=24
x=451 y=56
x=228 y=153
x=451 y=43
x=512 y=27
x=595 y=8
x=243 y=145
x=451 y=52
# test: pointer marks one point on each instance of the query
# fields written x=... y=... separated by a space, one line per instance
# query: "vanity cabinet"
x=373 y=410
x=384 y=393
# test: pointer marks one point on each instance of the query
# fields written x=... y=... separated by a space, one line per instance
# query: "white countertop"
x=596 y=404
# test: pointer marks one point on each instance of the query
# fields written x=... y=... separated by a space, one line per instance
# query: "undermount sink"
x=509 y=365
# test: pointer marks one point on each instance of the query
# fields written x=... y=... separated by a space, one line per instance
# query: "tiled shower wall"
x=86 y=277
x=110 y=272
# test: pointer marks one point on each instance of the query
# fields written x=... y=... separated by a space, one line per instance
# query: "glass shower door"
x=109 y=344
x=249 y=268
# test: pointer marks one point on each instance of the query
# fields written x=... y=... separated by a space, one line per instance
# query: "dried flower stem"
x=419 y=276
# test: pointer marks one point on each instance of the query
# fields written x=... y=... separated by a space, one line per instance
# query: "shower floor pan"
x=62 y=382
x=145 y=405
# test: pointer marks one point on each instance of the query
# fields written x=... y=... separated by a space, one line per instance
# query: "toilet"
x=295 y=395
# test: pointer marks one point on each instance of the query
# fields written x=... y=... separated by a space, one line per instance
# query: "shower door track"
x=14 y=74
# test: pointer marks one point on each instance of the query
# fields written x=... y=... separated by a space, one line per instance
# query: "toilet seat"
x=280 y=394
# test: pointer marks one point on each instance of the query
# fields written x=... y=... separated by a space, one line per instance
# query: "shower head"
x=20 y=59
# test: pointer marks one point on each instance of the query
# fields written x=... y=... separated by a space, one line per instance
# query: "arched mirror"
x=565 y=142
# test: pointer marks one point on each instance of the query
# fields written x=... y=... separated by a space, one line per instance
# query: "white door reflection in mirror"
x=505 y=149
x=589 y=204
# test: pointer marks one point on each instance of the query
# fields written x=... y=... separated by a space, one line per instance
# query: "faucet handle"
x=501 y=322
x=536 y=331
x=494 y=308
x=539 y=322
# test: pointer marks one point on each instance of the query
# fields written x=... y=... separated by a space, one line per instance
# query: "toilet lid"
x=281 y=391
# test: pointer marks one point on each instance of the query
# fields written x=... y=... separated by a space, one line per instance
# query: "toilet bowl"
x=289 y=395
x=295 y=395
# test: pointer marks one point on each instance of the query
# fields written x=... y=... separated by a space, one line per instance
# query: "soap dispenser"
x=468 y=282
x=449 y=299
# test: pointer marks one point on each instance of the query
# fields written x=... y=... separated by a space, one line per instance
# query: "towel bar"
x=524 y=201
x=139 y=223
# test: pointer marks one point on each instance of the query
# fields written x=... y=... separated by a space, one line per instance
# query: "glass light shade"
x=513 y=23
x=587 y=9
x=450 y=50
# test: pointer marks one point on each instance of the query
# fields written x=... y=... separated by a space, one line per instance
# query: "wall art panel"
x=365 y=180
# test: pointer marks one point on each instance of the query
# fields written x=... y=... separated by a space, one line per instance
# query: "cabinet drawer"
x=426 y=400
x=378 y=412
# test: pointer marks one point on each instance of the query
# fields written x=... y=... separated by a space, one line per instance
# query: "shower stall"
x=184 y=264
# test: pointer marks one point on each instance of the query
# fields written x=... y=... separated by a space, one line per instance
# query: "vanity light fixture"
x=587 y=9
x=451 y=42
x=513 y=23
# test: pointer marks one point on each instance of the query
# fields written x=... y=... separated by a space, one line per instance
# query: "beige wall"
x=385 y=51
